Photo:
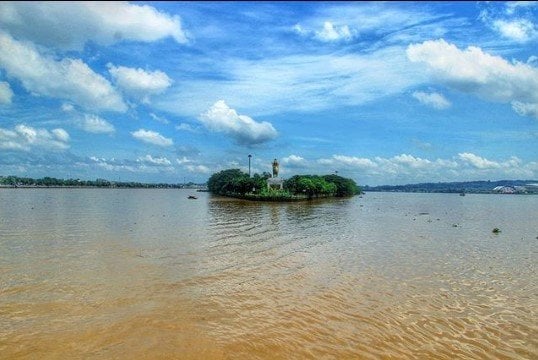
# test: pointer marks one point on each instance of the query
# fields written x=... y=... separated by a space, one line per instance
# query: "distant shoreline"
x=466 y=187
x=96 y=187
x=253 y=197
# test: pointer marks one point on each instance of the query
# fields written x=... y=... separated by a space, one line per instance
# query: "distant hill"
x=483 y=187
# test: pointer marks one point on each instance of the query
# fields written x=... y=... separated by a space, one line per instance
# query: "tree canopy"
x=344 y=186
x=235 y=182
x=50 y=181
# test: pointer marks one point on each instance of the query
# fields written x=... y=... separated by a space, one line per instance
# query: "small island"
x=267 y=187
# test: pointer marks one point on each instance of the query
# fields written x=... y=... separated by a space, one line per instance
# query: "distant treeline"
x=484 y=187
x=46 y=181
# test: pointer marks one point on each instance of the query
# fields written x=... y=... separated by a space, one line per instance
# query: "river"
x=133 y=273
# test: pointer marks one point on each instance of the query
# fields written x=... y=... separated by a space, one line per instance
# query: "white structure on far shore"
x=510 y=189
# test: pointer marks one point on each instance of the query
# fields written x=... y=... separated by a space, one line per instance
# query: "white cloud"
x=61 y=135
x=350 y=161
x=513 y=6
x=483 y=163
x=199 y=169
x=478 y=162
x=330 y=33
x=185 y=127
x=300 y=30
x=294 y=160
x=520 y=30
x=221 y=118
x=474 y=71
x=183 y=160
x=156 y=161
x=143 y=164
x=138 y=82
x=25 y=138
x=434 y=99
x=525 y=109
x=70 y=25
x=338 y=22
x=95 y=124
x=69 y=79
x=160 y=119
x=302 y=83
x=152 y=137
x=406 y=168
x=6 y=94
x=411 y=161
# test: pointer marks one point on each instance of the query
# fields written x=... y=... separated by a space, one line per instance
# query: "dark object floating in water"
x=192 y=197
x=496 y=231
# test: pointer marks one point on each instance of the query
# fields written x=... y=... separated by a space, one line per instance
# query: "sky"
x=383 y=93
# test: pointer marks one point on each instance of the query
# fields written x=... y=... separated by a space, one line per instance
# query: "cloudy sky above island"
x=384 y=93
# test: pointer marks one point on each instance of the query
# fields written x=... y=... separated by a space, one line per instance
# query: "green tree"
x=310 y=185
x=344 y=186
x=227 y=181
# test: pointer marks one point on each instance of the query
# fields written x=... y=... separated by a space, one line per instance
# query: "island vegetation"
x=235 y=183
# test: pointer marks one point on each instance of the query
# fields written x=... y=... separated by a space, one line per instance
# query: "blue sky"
x=384 y=93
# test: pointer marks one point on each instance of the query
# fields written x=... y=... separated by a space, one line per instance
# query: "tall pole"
x=249 y=156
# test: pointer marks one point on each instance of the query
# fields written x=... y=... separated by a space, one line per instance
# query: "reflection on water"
x=149 y=274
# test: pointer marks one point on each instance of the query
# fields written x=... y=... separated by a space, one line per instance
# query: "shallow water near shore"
x=132 y=273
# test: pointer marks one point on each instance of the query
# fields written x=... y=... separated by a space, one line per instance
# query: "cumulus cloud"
x=199 y=169
x=474 y=71
x=69 y=79
x=25 y=138
x=246 y=131
x=143 y=164
x=516 y=23
x=520 y=30
x=411 y=161
x=95 y=124
x=155 y=161
x=61 y=135
x=152 y=137
x=294 y=161
x=380 y=165
x=408 y=168
x=328 y=33
x=111 y=164
x=477 y=161
x=70 y=25
x=6 y=94
x=434 y=100
x=139 y=83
